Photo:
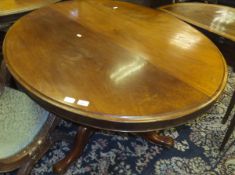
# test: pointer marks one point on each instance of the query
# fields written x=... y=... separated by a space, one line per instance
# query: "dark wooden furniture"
x=115 y=66
x=211 y=17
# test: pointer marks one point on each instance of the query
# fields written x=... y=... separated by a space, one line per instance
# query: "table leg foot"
x=158 y=139
x=80 y=142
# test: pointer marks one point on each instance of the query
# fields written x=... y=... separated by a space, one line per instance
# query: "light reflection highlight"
x=83 y=103
x=185 y=40
x=128 y=70
x=223 y=17
x=79 y=35
x=74 y=13
x=114 y=8
x=69 y=99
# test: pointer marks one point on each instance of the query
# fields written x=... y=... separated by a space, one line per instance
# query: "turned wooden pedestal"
x=82 y=138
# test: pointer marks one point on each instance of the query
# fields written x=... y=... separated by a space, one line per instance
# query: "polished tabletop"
x=214 y=18
x=114 y=65
x=10 y=7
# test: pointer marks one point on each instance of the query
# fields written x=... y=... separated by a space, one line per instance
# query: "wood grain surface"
x=10 y=7
x=114 y=65
x=214 y=18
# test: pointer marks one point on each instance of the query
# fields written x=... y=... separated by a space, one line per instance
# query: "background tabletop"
x=10 y=7
x=214 y=18
x=115 y=62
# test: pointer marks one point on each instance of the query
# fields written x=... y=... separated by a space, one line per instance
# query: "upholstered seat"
x=25 y=129
x=20 y=121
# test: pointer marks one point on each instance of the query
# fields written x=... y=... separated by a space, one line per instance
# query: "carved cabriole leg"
x=158 y=139
x=34 y=157
x=81 y=139
x=26 y=168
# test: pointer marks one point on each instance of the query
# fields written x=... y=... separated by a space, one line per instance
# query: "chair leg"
x=229 y=110
x=26 y=168
x=228 y=133
x=38 y=154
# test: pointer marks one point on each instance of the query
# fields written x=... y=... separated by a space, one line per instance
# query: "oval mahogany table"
x=211 y=17
x=115 y=66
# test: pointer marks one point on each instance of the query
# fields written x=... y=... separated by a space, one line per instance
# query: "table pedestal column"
x=81 y=139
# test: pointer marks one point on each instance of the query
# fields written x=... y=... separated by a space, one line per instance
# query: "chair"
x=24 y=130
x=232 y=123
